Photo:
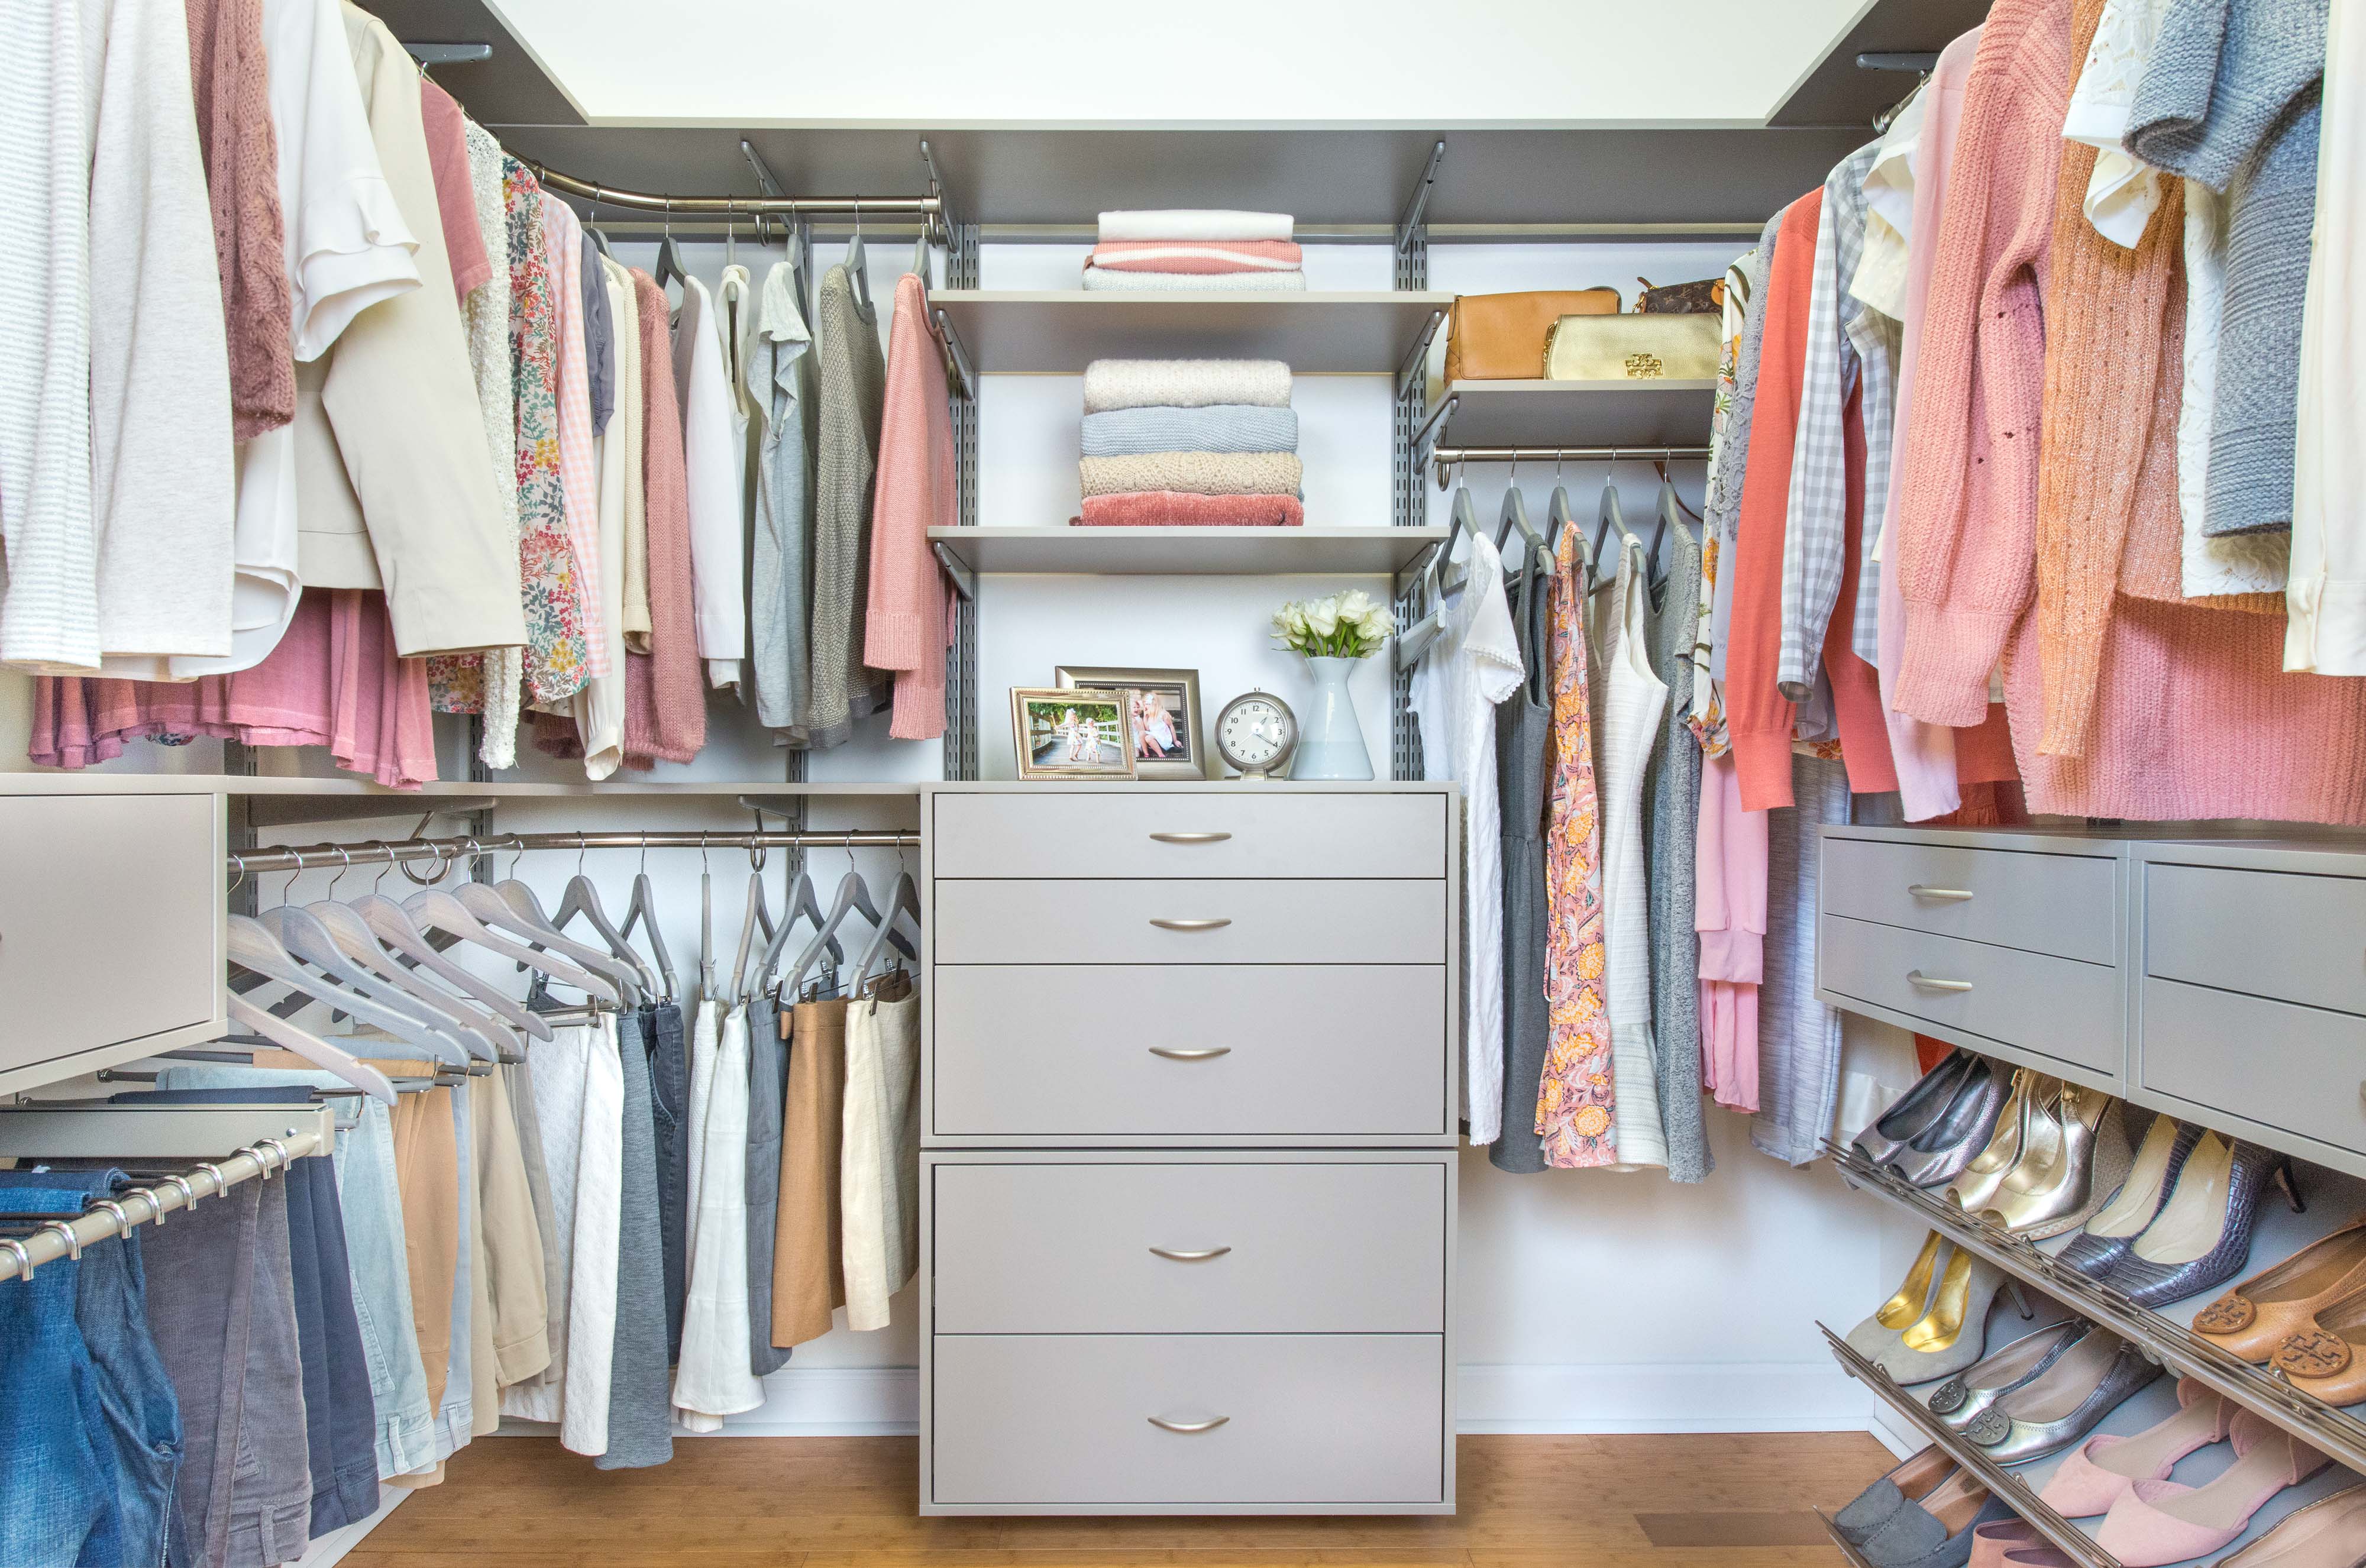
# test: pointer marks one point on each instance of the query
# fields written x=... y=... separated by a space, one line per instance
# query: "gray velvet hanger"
x=1440 y=575
x=853 y=897
x=528 y=921
x=757 y=917
x=1514 y=514
x=644 y=909
x=582 y=899
x=394 y=927
x=902 y=903
x=436 y=909
x=803 y=906
x=858 y=262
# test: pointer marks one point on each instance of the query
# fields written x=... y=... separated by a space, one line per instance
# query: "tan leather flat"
x=2262 y=1312
x=2328 y=1361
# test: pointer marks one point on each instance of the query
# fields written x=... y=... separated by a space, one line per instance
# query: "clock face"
x=1253 y=732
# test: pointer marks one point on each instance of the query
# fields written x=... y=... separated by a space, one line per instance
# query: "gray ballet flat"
x=1973 y=1390
x=2062 y=1404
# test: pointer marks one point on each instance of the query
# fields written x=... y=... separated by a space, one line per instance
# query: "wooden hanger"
x=488 y=1038
x=853 y=897
x=1440 y=575
x=643 y=908
x=251 y=945
x=436 y=909
x=394 y=927
x=668 y=264
x=803 y=906
x=528 y=921
x=758 y=917
x=306 y=939
x=582 y=899
x=1514 y=514
x=904 y=903
x=311 y=1047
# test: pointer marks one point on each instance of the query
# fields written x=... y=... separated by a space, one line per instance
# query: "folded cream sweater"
x=1199 y=473
x=1185 y=383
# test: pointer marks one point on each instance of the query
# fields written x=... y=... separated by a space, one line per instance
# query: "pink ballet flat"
x=2160 y=1522
x=2100 y=1471
x=1994 y=1542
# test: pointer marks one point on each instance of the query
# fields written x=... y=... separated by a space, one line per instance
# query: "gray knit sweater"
x=1671 y=797
x=2229 y=98
x=851 y=389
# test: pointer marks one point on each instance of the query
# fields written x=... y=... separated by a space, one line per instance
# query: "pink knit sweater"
x=905 y=621
x=2193 y=718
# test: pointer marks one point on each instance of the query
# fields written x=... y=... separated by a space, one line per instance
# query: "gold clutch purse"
x=1636 y=347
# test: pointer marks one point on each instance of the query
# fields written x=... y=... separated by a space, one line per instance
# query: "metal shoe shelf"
x=2167 y=1337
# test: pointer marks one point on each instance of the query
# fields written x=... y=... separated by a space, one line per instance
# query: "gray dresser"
x=1188 y=1131
x=2218 y=979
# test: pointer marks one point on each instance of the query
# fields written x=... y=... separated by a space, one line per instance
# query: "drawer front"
x=1200 y=1247
x=2299 y=1069
x=131 y=881
x=1306 y=1418
x=2051 y=1007
x=1079 y=921
x=2063 y=905
x=2296 y=938
x=1240 y=832
x=1300 y=1051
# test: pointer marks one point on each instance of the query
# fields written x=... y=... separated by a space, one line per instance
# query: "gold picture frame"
x=1060 y=732
x=1170 y=734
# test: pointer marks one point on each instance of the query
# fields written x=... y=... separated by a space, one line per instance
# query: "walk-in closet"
x=1499 y=786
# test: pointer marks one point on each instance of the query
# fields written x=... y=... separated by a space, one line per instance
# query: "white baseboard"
x=1895 y=1434
x=885 y=1401
x=332 y=1547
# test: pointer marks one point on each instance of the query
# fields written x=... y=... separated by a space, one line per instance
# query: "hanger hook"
x=644 y=855
x=703 y=868
x=387 y=850
x=578 y=852
x=293 y=872
x=346 y=859
x=240 y=861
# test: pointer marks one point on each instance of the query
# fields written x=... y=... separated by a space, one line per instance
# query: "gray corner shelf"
x=1188 y=551
x=1578 y=413
x=1059 y=332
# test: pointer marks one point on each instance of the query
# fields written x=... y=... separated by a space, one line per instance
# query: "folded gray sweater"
x=2230 y=98
x=1226 y=427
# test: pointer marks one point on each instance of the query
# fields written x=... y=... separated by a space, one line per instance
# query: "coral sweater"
x=906 y=625
x=2192 y=717
x=1758 y=715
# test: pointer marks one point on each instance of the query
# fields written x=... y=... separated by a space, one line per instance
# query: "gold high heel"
x=1938 y=1327
x=1900 y=1311
x=2041 y=1200
x=1980 y=1180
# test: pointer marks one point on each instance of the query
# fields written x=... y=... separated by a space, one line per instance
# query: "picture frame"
x=1170 y=736
x=1064 y=732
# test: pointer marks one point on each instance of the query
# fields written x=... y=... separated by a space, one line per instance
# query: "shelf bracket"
x=429 y=54
x=1411 y=225
x=957 y=572
x=1901 y=59
x=1409 y=368
x=1427 y=434
x=956 y=357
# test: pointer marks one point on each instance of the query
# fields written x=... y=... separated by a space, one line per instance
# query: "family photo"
x=1074 y=733
x=1164 y=706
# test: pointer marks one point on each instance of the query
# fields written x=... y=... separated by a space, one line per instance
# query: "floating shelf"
x=1060 y=332
x=448 y=794
x=1188 y=551
x=1578 y=413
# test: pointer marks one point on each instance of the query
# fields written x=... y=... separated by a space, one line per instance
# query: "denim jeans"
x=661 y=1030
x=767 y=1069
x=58 y=1490
x=141 y=1426
x=201 y=1276
x=369 y=1227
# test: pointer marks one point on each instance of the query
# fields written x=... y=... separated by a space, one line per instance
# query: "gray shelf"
x=1188 y=551
x=1060 y=332
x=443 y=796
x=1578 y=413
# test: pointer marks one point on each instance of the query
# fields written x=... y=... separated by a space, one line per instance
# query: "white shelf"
x=445 y=789
x=1060 y=332
x=1188 y=551
x=1578 y=413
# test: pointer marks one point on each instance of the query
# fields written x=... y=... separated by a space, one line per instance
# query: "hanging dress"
x=1628 y=701
x=1577 y=1094
x=1523 y=753
x=556 y=649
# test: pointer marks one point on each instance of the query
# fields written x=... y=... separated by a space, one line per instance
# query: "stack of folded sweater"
x=1198 y=250
x=1190 y=441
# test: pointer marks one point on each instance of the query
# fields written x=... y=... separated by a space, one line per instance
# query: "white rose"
x=1352 y=604
x=1376 y=623
x=1322 y=616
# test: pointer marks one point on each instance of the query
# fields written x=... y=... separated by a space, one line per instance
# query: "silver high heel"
x=2091 y=1156
x=1979 y=1180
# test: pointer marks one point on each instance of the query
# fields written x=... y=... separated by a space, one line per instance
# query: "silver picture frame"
x=1186 y=756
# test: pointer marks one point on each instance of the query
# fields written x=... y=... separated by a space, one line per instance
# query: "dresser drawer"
x=2048 y=1007
x=1346 y=1050
x=1239 y=832
x=1203 y=1246
x=2296 y=938
x=111 y=928
x=2066 y=905
x=1079 y=921
x=2297 y=1069
x=1302 y=1419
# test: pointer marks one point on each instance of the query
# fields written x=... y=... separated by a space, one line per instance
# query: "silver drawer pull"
x=1190 y=925
x=1921 y=981
x=1190 y=1053
x=1174 y=1255
x=1190 y=837
x=1186 y=1427
x=1941 y=895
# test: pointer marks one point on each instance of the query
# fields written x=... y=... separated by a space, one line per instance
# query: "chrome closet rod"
x=742 y=206
x=1444 y=457
x=380 y=851
x=150 y=1202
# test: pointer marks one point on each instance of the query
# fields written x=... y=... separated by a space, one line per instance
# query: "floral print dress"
x=1577 y=1099
x=556 y=647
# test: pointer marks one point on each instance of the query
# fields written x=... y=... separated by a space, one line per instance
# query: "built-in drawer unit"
x=2298 y=938
x=1191 y=832
x=1188 y=1129
x=1198 y=1052
x=127 y=886
x=2063 y=904
x=2047 y=1011
x=1296 y=921
x=1153 y=1423
x=1203 y=1245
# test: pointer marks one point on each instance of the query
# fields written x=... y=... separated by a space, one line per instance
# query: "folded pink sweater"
x=1175 y=508
x=1197 y=255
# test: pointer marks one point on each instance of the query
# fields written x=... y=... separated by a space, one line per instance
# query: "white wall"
x=1589 y=1300
x=1248 y=62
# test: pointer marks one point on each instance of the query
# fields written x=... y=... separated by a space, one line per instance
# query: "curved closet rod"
x=379 y=851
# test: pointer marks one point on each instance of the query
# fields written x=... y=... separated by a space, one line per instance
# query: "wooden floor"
x=1632 y=1502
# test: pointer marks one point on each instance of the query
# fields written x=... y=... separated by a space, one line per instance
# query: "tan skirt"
x=808 y=1278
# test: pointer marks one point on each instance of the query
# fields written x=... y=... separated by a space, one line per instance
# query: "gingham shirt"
x=1849 y=343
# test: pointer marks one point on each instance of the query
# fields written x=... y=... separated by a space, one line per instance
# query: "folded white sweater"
x=1197 y=282
x=1196 y=473
x=1195 y=223
x=1185 y=383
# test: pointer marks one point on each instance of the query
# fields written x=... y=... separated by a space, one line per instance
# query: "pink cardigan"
x=906 y=620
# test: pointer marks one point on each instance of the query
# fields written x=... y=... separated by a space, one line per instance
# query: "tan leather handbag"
x=1633 y=348
x=1501 y=337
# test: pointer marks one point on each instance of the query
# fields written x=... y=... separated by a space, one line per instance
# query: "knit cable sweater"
x=1968 y=504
